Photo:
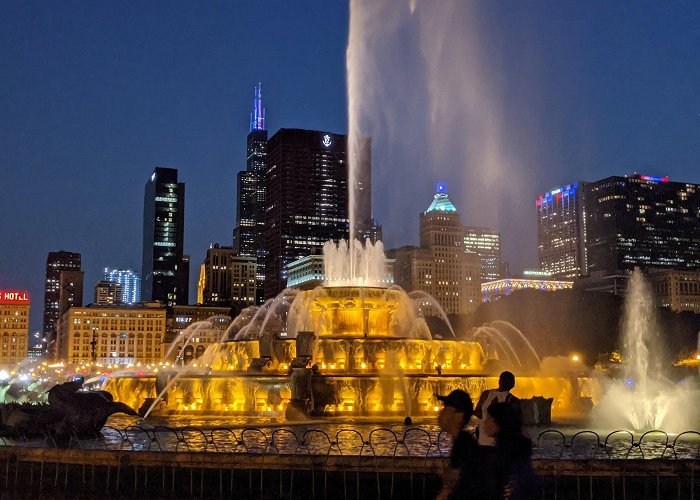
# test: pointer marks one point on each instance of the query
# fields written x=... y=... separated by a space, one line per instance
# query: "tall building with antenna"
x=248 y=235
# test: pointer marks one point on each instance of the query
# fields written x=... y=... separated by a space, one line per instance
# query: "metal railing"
x=381 y=441
x=292 y=462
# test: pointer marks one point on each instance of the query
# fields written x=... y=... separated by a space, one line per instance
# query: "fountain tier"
x=342 y=351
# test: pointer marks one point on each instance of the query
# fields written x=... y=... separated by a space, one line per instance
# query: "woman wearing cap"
x=467 y=475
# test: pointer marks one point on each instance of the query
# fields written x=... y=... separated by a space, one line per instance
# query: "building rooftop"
x=441 y=201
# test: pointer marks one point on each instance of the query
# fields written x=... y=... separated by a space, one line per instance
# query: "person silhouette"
x=466 y=475
x=506 y=382
x=512 y=469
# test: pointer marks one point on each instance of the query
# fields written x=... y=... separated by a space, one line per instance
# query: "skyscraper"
x=56 y=262
x=306 y=193
x=642 y=221
x=441 y=266
x=612 y=225
x=129 y=283
x=228 y=279
x=70 y=290
x=560 y=232
x=165 y=270
x=487 y=244
x=455 y=273
x=248 y=236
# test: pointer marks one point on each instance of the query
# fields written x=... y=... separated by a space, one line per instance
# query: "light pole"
x=94 y=344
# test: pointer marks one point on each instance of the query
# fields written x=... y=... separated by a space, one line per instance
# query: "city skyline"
x=95 y=102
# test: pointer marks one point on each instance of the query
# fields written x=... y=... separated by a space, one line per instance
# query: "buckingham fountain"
x=357 y=345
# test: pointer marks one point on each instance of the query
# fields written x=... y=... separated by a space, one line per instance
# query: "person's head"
x=506 y=381
x=502 y=420
x=456 y=411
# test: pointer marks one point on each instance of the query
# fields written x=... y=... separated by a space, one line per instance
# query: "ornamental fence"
x=274 y=462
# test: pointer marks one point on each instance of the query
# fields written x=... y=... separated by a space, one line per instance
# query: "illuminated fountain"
x=336 y=350
x=645 y=398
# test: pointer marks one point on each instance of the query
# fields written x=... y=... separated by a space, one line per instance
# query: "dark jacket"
x=476 y=479
x=514 y=474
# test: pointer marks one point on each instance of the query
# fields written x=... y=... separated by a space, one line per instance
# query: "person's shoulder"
x=512 y=399
x=485 y=393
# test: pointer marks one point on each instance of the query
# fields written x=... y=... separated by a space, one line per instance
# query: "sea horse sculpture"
x=70 y=411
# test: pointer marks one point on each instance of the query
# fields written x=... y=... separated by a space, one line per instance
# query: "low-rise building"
x=677 y=290
x=598 y=282
x=191 y=329
x=112 y=334
x=306 y=273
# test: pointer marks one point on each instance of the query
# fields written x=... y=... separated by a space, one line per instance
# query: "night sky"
x=94 y=95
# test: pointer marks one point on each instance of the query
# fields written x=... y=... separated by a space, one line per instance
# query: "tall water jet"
x=645 y=398
x=431 y=88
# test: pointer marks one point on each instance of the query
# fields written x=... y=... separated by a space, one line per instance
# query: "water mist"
x=645 y=398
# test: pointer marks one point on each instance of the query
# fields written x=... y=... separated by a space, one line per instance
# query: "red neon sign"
x=13 y=297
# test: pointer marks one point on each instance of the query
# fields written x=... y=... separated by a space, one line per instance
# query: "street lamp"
x=94 y=344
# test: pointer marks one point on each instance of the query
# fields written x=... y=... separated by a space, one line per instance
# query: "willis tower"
x=248 y=236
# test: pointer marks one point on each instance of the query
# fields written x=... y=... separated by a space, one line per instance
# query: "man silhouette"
x=506 y=382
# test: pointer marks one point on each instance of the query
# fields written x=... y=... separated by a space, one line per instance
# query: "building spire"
x=441 y=201
x=257 y=117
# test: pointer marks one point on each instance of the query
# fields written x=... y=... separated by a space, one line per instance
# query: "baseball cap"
x=459 y=400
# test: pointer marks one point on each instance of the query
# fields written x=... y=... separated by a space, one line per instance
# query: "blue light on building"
x=129 y=281
x=257 y=117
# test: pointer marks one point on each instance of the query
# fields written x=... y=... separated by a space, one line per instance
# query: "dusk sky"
x=94 y=95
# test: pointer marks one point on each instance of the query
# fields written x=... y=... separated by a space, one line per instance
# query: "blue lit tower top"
x=257 y=117
x=441 y=201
